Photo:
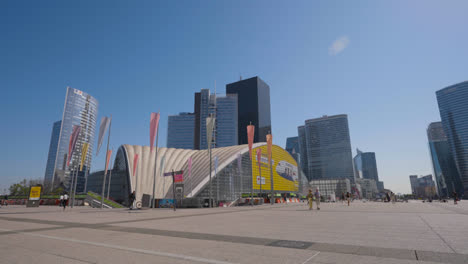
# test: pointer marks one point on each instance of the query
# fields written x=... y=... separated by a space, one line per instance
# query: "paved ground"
x=411 y=232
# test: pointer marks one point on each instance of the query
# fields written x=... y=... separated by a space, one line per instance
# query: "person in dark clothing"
x=348 y=197
x=132 y=199
x=5 y=202
x=455 y=198
x=342 y=197
x=388 y=197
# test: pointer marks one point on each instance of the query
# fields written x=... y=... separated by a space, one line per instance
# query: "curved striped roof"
x=176 y=159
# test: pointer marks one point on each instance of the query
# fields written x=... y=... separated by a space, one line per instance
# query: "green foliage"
x=108 y=202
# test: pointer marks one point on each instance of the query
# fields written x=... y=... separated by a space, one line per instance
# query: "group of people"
x=64 y=201
x=391 y=197
x=4 y=201
x=313 y=196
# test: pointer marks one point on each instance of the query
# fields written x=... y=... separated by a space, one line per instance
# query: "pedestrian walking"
x=5 y=201
x=348 y=197
x=317 y=198
x=388 y=197
x=61 y=201
x=65 y=201
x=132 y=199
x=455 y=197
x=342 y=197
x=310 y=199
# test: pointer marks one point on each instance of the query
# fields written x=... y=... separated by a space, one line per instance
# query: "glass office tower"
x=328 y=148
x=225 y=110
x=80 y=109
x=453 y=107
x=254 y=107
x=226 y=121
x=303 y=151
x=292 y=145
x=365 y=166
x=50 y=167
x=446 y=174
x=180 y=131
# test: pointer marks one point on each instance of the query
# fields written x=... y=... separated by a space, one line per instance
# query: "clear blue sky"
x=380 y=62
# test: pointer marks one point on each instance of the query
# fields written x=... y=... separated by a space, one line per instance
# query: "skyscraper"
x=80 y=109
x=225 y=110
x=226 y=121
x=453 y=107
x=443 y=164
x=292 y=145
x=365 y=166
x=328 y=148
x=304 y=163
x=51 y=157
x=254 y=107
x=180 y=131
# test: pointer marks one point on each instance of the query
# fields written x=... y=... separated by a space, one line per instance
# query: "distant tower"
x=253 y=97
x=453 y=107
x=80 y=109
x=327 y=148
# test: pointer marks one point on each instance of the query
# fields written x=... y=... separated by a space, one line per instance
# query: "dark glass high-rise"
x=253 y=97
x=453 y=107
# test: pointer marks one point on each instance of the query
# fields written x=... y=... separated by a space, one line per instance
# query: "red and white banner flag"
x=135 y=163
x=269 y=139
x=73 y=140
x=109 y=154
x=250 y=138
x=154 y=124
x=105 y=121
x=259 y=156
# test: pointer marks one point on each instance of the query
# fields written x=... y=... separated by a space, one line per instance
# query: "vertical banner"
x=109 y=154
x=250 y=137
x=259 y=162
x=73 y=140
x=269 y=139
x=84 y=153
x=135 y=163
x=105 y=121
x=154 y=123
x=210 y=122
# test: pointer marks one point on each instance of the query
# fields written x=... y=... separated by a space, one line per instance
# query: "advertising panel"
x=285 y=172
x=35 y=193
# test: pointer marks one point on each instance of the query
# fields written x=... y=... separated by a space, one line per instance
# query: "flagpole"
x=72 y=175
x=209 y=149
x=217 y=181
x=105 y=171
x=74 y=188
x=110 y=177
x=155 y=166
x=260 y=172
x=251 y=187
x=270 y=156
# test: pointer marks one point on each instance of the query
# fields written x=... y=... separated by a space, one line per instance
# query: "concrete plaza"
x=413 y=232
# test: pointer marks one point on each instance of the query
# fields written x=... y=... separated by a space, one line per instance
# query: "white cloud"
x=338 y=45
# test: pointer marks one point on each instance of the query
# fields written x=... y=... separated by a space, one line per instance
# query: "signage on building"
x=35 y=193
x=178 y=175
x=285 y=171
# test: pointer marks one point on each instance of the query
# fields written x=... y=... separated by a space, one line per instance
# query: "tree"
x=22 y=188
